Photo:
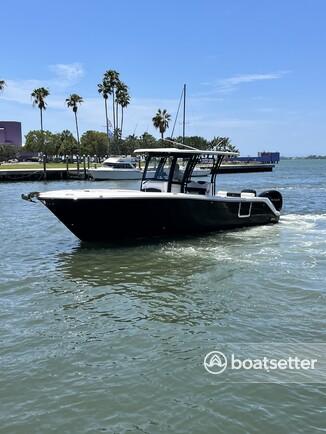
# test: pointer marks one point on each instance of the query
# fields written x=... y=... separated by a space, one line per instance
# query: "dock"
x=56 y=174
x=245 y=168
x=39 y=174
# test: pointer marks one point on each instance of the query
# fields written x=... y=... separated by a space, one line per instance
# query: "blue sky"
x=255 y=69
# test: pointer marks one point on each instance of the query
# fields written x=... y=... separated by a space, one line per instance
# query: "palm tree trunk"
x=43 y=146
x=121 y=120
x=77 y=132
x=113 y=97
x=41 y=120
x=42 y=133
x=106 y=116
x=117 y=114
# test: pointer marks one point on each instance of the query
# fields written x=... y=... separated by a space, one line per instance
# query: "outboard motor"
x=275 y=197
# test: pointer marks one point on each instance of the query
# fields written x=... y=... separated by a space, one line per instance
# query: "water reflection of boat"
x=137 y=267
x=169 y=202
x=133 y=283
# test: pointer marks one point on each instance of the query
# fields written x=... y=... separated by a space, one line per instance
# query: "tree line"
x=97 y=143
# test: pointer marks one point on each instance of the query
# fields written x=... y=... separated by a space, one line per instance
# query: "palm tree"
x=122 y=99
x=161 y=121
x=2 y=85
x=105 y=90
x=39 y=96
x=73 y=102
x=111 y=77
x=222 y=144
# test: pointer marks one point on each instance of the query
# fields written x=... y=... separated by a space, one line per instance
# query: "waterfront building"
x=10 y=133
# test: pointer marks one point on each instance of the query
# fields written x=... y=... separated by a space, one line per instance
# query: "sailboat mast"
x=184 y=114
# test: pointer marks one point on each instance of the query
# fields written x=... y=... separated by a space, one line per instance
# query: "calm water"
x=98 y=339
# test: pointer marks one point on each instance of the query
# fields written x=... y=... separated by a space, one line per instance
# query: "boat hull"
x=116 y=219
x=115 y=175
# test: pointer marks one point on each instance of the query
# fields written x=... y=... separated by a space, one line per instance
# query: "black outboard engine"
x=275 y=197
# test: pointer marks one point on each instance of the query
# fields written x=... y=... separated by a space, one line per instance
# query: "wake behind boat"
x=170 y=202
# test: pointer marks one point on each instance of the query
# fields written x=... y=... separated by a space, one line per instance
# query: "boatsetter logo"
x=215 y=362
x=269 y=363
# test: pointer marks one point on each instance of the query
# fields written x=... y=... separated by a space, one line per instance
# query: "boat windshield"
x=161 y=168
x=119 y=165
x=175 y=172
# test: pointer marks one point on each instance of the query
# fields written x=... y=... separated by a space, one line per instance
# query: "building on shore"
x=10 y=133
x=262 y=157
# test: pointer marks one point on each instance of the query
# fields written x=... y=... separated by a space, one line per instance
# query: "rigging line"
x=135 y=129
x=176 y=117
x=184 y=114
x=181 y=144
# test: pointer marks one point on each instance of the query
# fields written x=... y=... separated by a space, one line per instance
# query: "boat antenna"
x=135 y=129
x=181 y=144
x=184 y=114
x=176 y=117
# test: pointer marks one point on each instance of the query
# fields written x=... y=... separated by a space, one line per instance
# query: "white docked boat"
x=116 y=168
x=199 y=172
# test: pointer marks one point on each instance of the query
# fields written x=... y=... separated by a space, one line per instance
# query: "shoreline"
x=72 y=173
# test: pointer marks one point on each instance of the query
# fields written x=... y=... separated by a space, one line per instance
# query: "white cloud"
x=232 y=83
x=248 y=78
x=65 y=76
x=20 y=90
x=68 y=72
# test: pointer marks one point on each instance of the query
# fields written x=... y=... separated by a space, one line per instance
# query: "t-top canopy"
x=175 y=151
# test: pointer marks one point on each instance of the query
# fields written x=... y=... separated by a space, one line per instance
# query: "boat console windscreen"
x=158 y=168
x=164 y=167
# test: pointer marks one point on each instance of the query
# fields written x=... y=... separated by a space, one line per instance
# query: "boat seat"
x=197 y=187
x=154 y=186
x=233 y=194
x=152 y=190
x=248 y=190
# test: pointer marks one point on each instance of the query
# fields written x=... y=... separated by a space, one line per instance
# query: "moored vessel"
x=116 y=168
